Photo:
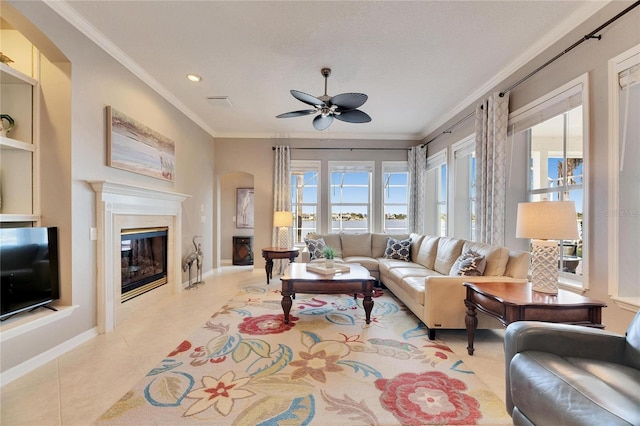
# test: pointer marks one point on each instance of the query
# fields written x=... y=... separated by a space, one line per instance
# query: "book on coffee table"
x=319 y=268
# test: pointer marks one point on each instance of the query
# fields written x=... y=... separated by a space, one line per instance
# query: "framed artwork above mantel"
x=134 y=147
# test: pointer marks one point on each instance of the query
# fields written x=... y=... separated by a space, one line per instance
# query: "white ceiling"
x=420 y=62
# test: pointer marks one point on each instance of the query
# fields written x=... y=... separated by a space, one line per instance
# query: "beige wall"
x=590 y=57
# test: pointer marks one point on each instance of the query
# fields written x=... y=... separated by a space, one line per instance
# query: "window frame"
x=625 y=60
x=436 y=162
x=577 y=88
x=351 y=167
x=306 y=166
x=463 y=148
x=390 y=167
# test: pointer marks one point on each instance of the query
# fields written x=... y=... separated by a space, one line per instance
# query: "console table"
x=510 y=302
x=270 y=253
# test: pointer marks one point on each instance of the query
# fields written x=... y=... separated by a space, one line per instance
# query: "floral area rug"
x=245 y=366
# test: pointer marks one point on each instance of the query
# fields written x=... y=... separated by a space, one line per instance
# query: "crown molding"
x=62 y=8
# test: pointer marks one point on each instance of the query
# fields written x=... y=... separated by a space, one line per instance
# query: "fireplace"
x=143 y=260
x=122 y=207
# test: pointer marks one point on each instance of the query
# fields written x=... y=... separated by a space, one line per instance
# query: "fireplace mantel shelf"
x=106 y=187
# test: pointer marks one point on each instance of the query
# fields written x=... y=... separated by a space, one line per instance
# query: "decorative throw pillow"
x=398 y=249
x=316 y=247
x=470 y=264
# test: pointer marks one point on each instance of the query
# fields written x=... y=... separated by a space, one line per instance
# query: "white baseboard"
x=37 y=361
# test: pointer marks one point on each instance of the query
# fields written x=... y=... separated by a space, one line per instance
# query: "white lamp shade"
x=282 y=219
x=547 y=220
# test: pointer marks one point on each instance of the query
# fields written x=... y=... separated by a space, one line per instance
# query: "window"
x=395 y=180
x=554 y=128
x=624 y=197
x=463 y=222
x=350 y=196
x=305 y=178
x=436 y=195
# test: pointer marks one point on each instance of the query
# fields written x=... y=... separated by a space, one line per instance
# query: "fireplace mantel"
x=118 y=202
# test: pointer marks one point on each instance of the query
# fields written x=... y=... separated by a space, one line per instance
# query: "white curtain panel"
x=491 y=156
x=281 y=199
x=417 y=166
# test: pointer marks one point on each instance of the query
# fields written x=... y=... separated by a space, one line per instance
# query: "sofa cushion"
x=398 y=249
x=356 y=245
x=387 y=264
x=496 y=257
x=426 y=255
x=379 y=243
x=369 y=263
x=398 y=274
x=469 y=264
x=448 y=251
x=414 y=287
x=316 y=247
x=416 y=240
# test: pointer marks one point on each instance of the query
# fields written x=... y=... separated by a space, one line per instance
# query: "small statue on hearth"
x=199 y=256
x=188 y=261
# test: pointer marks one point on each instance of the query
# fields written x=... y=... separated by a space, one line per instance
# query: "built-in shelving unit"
x=19 y=148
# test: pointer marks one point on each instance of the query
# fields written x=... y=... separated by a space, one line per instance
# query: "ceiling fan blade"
x=306 y=98
x=296 y=113
x=354 y=116
x=348 y=101
x=321 y=123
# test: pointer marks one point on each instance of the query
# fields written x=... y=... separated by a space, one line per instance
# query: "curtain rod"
x=349 y=149
x=589 y=36
x=444 y=132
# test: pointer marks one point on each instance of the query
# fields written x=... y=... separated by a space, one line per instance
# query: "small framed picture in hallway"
x=244 y=208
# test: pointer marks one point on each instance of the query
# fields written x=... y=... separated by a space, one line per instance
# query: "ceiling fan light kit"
x=342 y=107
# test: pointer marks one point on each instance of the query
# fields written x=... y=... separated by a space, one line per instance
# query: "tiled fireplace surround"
x=121 y=206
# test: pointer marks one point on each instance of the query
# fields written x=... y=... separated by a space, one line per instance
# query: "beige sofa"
x=424 y=283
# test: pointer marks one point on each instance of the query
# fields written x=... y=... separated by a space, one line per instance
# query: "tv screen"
x=28 y=268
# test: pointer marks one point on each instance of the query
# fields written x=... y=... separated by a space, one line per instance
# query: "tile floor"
x=77 y=387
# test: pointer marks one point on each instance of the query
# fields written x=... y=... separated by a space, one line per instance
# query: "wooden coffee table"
x=510 y=302
x=298 y=280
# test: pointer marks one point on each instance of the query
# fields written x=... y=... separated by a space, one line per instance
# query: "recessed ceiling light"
x=194 y=77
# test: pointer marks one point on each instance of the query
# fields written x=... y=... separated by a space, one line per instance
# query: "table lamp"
x=545 y=222
x=283 y=220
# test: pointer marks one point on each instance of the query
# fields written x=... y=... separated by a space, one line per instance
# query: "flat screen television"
x=28 y=269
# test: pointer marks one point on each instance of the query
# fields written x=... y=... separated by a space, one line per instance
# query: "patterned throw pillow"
x=470 y=264
x=316 y=248
x=398 y=249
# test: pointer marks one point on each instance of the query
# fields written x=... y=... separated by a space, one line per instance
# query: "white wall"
x=78 y=153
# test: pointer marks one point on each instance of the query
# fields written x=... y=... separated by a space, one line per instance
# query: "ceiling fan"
x=342 y=107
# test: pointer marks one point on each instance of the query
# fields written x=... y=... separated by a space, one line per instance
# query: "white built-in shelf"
x=10 y=75
x=8 y=143
x=25 y=322
x=19 y=218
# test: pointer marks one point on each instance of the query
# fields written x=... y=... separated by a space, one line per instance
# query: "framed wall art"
x=134 y=147
x=244 y=208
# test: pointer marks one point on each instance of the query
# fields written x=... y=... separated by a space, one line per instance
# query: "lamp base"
x=283 y=237
x=544 y=266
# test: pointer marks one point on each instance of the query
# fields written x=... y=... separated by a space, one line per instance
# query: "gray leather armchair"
x=559 y=374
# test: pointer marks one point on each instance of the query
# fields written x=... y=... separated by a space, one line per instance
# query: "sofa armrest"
x=444 y=298
x=561 y=339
